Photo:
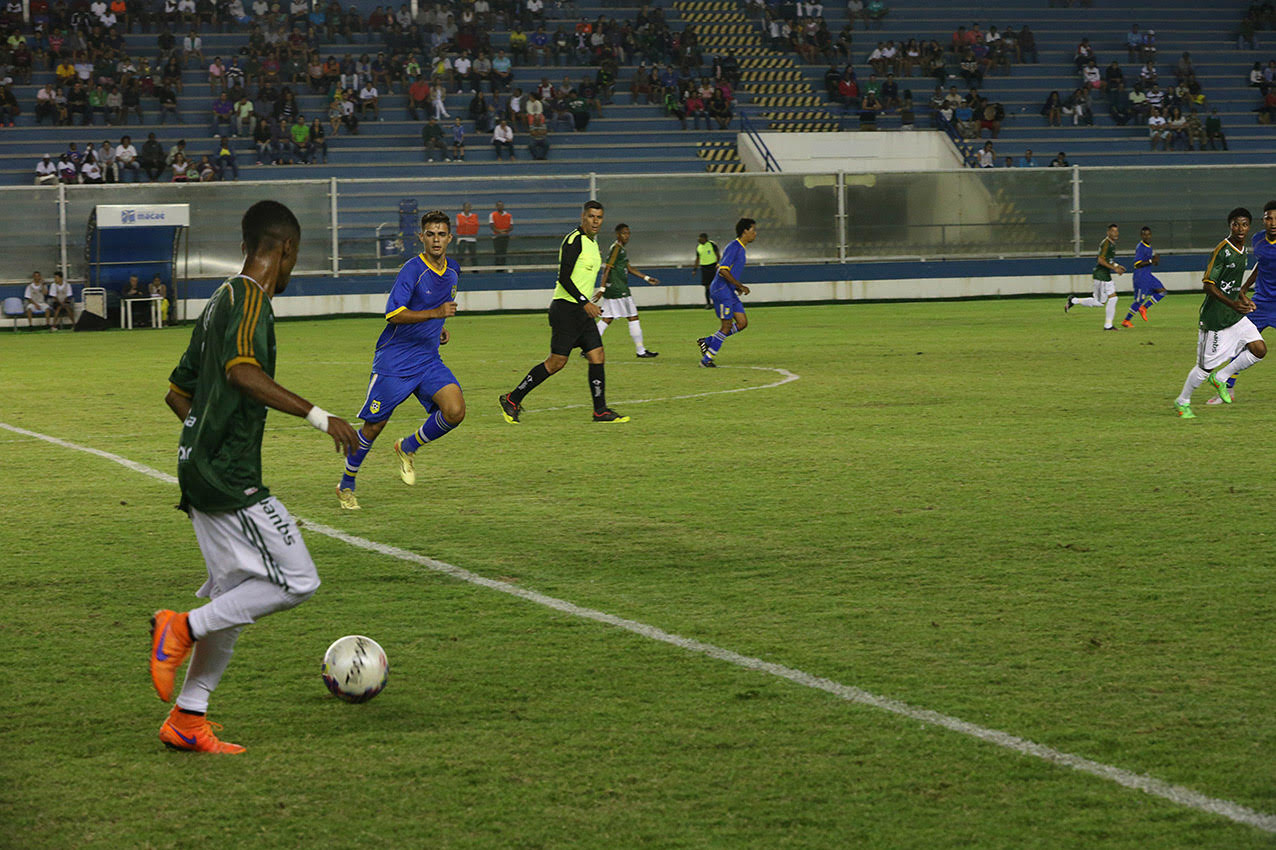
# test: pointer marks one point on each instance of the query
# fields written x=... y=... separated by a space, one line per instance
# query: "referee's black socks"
x=598 y=386
x=530 y=382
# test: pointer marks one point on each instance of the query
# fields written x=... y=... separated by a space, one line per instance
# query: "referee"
x=572 y=317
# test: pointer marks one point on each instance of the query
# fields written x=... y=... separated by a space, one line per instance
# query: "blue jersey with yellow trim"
x=1265 y=282
x=407 y=349
x=733 y=258
x=1143 y=278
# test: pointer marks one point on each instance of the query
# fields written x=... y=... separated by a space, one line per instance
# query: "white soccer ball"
x=355 y=668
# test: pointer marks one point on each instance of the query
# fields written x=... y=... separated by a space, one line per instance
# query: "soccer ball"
x=355 y=668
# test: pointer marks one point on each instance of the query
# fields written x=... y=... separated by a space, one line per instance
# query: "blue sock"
x=433 y=428
x=354 y=461
x=1149 y=300
x=1134 y=308
x=714 y=344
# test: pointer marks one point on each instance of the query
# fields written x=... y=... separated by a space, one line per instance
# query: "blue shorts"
x=1263 y=317
x=386 y=392
x=725 y=301
x=1148 y=287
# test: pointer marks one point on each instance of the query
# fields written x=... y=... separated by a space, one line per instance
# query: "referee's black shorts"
x=570 y=327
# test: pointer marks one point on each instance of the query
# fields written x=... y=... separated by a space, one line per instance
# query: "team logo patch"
x=375 y=407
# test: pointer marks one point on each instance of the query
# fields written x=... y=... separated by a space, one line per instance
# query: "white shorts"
x=619 y=308
x=1214 y=348
x=259 y=541
x=1104 y=289
x=36 y=307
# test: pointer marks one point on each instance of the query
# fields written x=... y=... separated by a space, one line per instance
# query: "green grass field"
x=986 y=509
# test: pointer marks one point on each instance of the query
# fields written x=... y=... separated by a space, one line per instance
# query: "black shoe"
x=1109 y=329
x=703 y=342
x=708 y=364
x=649 y=354
x=1067 y=305
x=510 y=410
x=609 y=415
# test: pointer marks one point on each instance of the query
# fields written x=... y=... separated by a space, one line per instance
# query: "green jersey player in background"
x=1226 y=333
x=257 y=562
x=1104 y=293
x=618 y=303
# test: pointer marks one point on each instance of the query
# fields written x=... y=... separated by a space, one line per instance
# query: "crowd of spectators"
x=126 y=162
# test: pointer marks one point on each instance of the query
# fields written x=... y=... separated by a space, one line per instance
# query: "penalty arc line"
x=1178 y=794
x=788 y=377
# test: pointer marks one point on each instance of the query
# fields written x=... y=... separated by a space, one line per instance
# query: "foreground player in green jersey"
x=257 y=562
x=617 y=302
x=1226 y=333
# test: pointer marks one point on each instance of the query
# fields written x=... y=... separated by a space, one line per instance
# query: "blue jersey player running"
x=1147 y=288
x=725 y=292
x=1262 y=280
x=407 y=359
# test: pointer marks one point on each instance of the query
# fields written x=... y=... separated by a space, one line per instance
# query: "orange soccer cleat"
x=1127 y=324
x=1143 y=311
x=194 y=733
x=170 y=644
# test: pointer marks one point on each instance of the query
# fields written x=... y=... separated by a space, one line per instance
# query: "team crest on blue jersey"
x=375 y=407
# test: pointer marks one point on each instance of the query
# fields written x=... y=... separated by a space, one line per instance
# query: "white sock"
x=243 y=604
x=602 y=327
x=208 y=661
x=635 y=333
x=1239 y=363
x=1087 y=302
x=1194 y=379
x=1110 y=313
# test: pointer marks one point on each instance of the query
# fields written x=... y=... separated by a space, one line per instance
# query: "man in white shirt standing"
x=62 y=302
x=34 y=300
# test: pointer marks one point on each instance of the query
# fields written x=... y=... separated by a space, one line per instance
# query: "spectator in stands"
x=223 y=109
x=697 y=110
x=46 y=171
x=264 y=141
x=1134 y=43
x=369 y=98
x=44 y=107
x=1176 y=129
x=503 y=139
x=889 y=94
x=418 y=97
x=870 y=107
x=1060 y=161
x=90 y=170
x=1214 y=129
x=432 y=140
x=875 y=12
x=991 y=117
x=1184 y=70
x=152 y=157
x=168 y=104
x=1052 y=109
x=69 y=172
x=675 y=106
x=1027 y=160
x=1084 y=54
x=987 y=156
x=1267 y=110
x=1195 y=131
x=1256 y=80
x=970 y=69
x=205 y=170
x=1119 y=109
x=1157 y=131
x=1139 y=106
x=225 y=162
x=1027 y=43
x=457 y=141
x=106 y=161
x=502 y=75
x=1078 y=106
x=299 y=134
x=437 y=93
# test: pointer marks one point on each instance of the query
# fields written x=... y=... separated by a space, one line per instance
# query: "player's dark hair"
x=1239 y=212
x=1269 y=206
x=591 y=205
x=436 y=216
x=703 y=236
x=621 y=227
x=1112 y=225
x=268 y=220
x=743 y=225
x=1145 y=227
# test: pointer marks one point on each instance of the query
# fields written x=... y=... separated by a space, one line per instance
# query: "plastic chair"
x=13 y=310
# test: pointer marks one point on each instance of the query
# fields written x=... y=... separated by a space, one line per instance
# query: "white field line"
x=1177 y=794
x=787 y=377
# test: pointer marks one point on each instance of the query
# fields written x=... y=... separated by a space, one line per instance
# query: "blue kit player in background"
x=1263 y=281
x=1147 y=289
x=407 y=359
x=725 y=292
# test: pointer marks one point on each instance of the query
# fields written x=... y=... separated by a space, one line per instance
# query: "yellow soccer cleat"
x=170 y=644
x=347 y=499
x=406 y=470
x=194 y=733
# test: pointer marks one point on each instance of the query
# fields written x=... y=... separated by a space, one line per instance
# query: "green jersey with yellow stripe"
x=1107 y=251
x=219 y=454
x=1226 y=270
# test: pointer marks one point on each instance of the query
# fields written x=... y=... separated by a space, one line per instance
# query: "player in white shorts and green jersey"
x=256 y=560
x=1226 y=333
x=1105 y=265
x=618 y=303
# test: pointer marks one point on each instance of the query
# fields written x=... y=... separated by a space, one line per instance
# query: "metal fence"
x=350 y=226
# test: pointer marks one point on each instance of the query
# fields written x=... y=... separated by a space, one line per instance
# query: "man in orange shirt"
x=501 y=223
x=467 y=226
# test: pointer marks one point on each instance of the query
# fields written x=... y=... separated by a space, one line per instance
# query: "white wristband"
x=318 y=417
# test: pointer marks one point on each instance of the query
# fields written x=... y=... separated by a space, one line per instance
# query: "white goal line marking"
x=1178 y=794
